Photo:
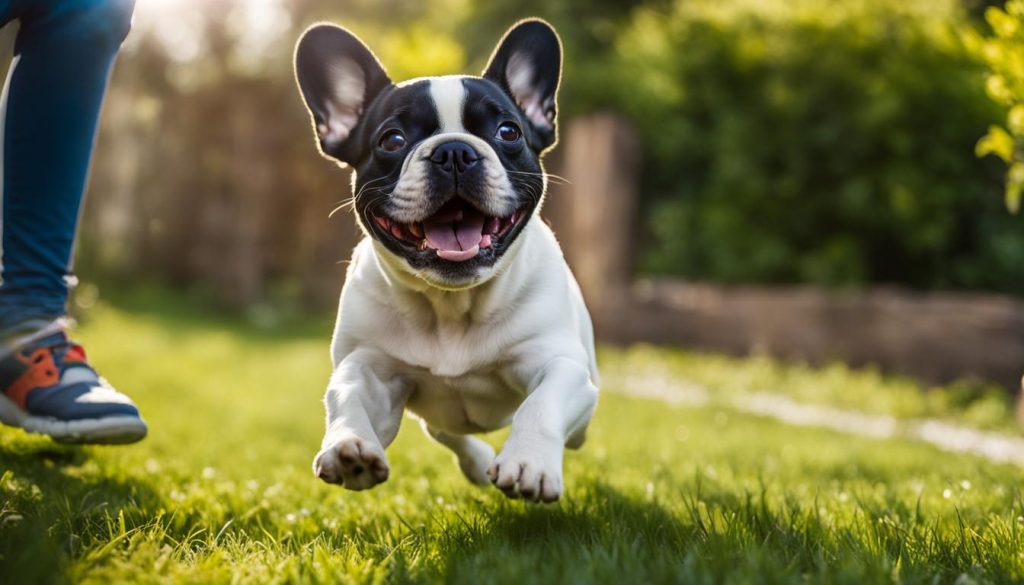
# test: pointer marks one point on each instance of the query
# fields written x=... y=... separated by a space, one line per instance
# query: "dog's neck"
x=480 y=303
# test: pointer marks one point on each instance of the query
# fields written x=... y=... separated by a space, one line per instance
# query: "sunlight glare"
x=178 y=26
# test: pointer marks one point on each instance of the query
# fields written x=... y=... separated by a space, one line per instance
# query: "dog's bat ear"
x=527 y=64
x=338 y=77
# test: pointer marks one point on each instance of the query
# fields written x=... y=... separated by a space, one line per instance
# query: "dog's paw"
x=534 y=474
x=352 y=463
x=475 y=459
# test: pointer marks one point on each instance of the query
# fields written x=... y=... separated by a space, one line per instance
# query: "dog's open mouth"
x=457 y=231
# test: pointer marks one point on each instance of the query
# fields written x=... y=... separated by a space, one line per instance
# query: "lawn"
x=221 y=491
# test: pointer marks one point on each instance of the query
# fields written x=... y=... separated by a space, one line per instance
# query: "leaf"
x=1014 y=186
x=998 y=142
x=1013 y=8
x=1002 y=23
x=997 y=88
x=1015 y=120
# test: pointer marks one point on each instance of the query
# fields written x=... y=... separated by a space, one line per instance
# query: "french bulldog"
x=458 y=305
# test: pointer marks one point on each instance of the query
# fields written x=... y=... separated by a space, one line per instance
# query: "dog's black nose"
x=455 y=156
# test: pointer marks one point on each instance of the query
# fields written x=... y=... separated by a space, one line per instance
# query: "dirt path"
x=996 y=447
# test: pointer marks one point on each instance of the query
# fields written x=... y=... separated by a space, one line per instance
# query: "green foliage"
x=221 y=491
x=588 y=29
x=816 y=142
x=1004 y=53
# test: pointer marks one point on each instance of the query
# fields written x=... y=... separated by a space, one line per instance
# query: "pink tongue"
x=470 y=230
x=440 y=236
x=458 y=240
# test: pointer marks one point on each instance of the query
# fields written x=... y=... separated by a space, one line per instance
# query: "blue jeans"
x=63 y=56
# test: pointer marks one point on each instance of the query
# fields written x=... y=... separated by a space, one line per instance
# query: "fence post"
x=594 y=215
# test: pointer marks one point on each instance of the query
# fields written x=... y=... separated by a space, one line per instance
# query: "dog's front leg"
x=364 y=410
x=556 y=411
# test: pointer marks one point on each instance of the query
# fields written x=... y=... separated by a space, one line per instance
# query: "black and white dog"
x=458 y=304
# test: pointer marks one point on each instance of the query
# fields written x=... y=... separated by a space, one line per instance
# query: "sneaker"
x=49 y=388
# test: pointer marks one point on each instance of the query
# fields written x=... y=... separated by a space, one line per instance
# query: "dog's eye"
x=508 y=132
x=392 y=141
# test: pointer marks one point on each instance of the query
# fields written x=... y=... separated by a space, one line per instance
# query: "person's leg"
x=63 y=56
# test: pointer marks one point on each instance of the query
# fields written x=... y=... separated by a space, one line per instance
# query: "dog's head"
x=447 y=169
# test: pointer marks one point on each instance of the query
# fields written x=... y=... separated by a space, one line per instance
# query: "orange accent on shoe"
x=41 y=372
x=75 y=354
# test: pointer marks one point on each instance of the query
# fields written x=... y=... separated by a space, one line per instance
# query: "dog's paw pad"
x=353 y=463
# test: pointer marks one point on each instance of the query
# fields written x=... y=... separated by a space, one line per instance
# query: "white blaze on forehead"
x=449 y=94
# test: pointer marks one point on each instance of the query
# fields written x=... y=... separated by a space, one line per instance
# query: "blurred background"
x=795 y=177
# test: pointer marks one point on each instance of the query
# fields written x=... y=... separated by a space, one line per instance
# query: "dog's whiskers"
x=532 y=190
x=372 y=206
x=551 y=177
x=350 y=202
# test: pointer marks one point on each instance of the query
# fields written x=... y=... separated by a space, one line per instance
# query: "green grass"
x=222 y=489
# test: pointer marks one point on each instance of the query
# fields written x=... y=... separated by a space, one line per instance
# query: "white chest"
x=477 y=401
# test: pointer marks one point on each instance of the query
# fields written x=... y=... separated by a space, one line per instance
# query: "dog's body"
x=458 y=306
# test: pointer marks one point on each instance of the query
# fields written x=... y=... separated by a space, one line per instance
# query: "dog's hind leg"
x=577 y=438
x=473 y=453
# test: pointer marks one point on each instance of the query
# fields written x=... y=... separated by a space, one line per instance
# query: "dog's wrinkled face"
x=447 y=168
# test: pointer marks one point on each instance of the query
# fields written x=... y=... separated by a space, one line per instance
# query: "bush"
x=1004 y=53
x=803 y=141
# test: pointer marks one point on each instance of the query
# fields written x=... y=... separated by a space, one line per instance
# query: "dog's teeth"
x=415 y=229
x=396 y=230
x=492 y=226
x=382 y=222
x=485 y=242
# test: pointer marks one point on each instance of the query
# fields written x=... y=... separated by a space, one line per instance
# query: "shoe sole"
x=111 y=430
